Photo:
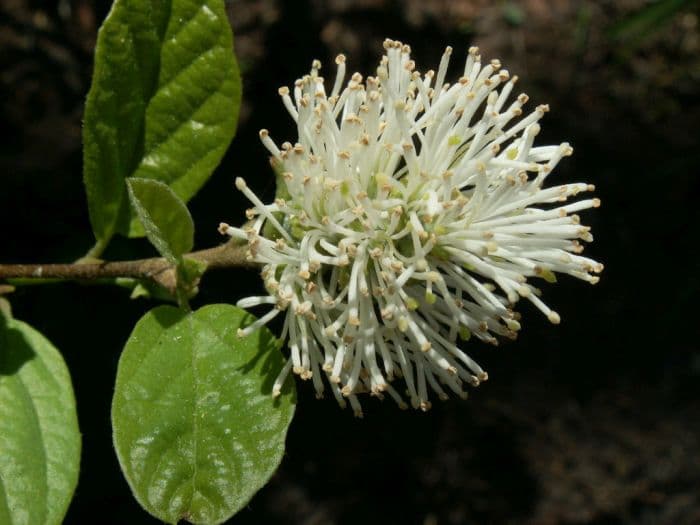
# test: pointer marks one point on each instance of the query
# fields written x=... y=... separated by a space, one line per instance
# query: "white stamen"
x=414 y=218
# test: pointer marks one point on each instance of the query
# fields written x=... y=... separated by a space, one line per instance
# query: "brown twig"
x=158 y=269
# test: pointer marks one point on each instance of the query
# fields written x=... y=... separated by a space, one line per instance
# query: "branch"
x=159 y=270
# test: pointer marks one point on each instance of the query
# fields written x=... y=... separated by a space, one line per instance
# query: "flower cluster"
x=411 y=214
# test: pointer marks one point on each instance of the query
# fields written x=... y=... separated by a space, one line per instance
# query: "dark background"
x=594 y=421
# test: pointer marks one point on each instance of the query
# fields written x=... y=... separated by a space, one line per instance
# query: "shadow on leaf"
x=15 y=351
x=268 y=359
x=168 y=316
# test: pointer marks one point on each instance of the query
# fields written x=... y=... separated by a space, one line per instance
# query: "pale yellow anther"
x=512 y=324
x=403 y=324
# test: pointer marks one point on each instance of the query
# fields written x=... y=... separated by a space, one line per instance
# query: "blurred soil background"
x=595 y=421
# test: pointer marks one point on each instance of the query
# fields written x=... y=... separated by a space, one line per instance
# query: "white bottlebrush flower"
x=412 y=216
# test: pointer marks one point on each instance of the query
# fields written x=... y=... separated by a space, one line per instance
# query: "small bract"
x=413 y=215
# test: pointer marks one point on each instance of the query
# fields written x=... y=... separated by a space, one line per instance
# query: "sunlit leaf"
x=164 y=216
x=163 y=103
x=196 y=429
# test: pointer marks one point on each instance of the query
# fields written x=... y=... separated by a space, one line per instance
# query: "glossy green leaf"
x=164 y=216
x=163 y=103
x=196 y=429
x=39 y=435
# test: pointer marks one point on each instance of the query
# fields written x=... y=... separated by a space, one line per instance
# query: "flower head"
x=412 y=215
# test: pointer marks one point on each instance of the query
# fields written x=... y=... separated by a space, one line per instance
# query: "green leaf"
x=189 y=274
x=196 y=429
x=164 y=216
x=163 y=103
x=644 y=23
x=5 y=307
x=39 y=435
x=150 y=290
